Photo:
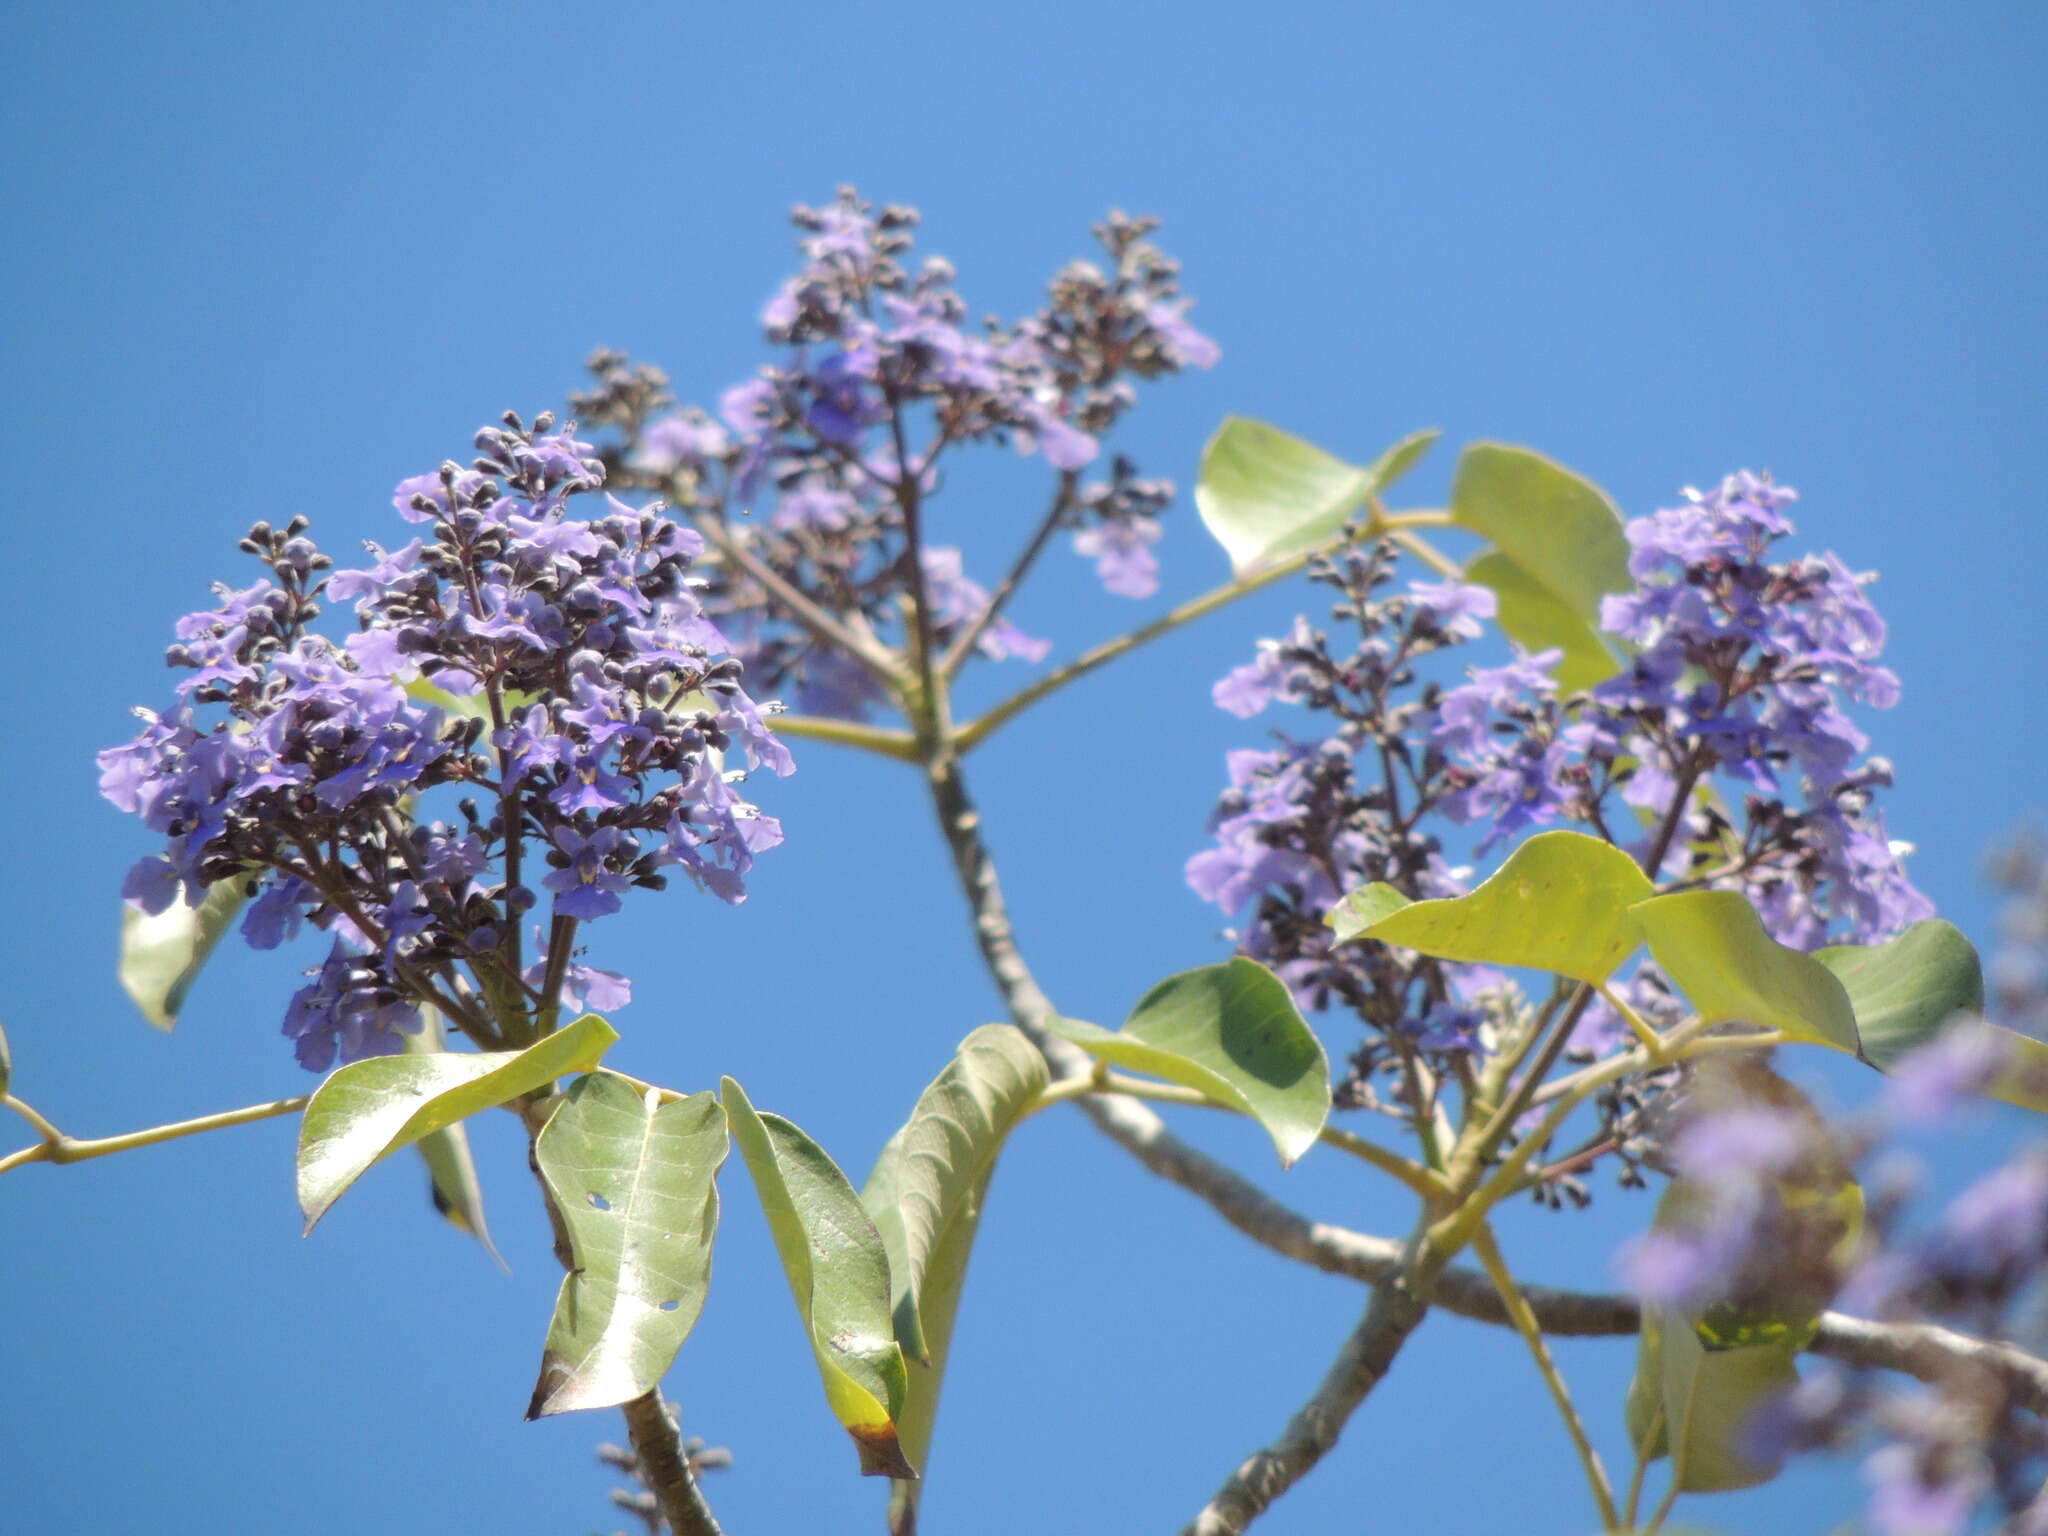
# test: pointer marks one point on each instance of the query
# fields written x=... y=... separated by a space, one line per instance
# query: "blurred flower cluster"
x=556 y=673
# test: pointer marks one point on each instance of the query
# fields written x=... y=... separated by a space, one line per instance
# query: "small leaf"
x=1711 y=1396
x=939 y=1304
x=1904 y=990
x=634 y=1181
x=1702 y=1374
x=369 y=1109
x=452 y=1181
x=1713 y=945
x=1233 y=1032
x=1560 y=903
x=161 y=955
x=1537 y=619
x=949 y=1142
x=1557 y=526
x=6 y=1063
x=1265 y=494
x=838 y=1272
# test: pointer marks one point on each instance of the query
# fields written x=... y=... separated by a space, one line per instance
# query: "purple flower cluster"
x=880 y=375
x=1303 y=822
x=559 y=669
x=1740 y=668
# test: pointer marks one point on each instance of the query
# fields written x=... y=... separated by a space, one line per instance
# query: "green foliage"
x=1537 y=619
x=1560 y=903
x=951 y=1138
x=1557 y=526
x=925 y=1197
x=1714 y=947
x=369 y=1109
x=1701 y=1375
x=1231 y=1031
x=161 y=955
x=6 y=1063
x=452 y=1181
x=1904 y=990
x=634 y=1183
x=1265 y=494
x=838 y=1272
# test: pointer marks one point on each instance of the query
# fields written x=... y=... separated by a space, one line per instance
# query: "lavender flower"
x=563 y=668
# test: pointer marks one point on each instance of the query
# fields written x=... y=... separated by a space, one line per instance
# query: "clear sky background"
x=265 y=260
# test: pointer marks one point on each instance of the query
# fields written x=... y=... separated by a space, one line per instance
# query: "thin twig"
x=56 y=1147
x=957 y=653
x=821 y=624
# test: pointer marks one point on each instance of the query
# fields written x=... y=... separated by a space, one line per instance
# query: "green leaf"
x=1713 y=945
x=369 y=1109
x=161 y=955
x=464 y=706
x=939 y=1305
x=1537 y=619
x=1702 y=1374
x=1904 y=990
x=1557 y=526
x=1265 y=494
x=949 y=1142
x=452 y=1182
x=1233 y=1032
x=1709 y=1396
x=838 y=1272
x=6 y=1063
x=1560 y=903
x=634 y=1181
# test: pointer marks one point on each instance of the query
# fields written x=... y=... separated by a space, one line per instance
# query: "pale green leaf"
x=1266 y=494
x=1560 y=903
x=452 y=1181
x=1557 y=525
x=634 y=1181
x=939 y=1305
x=1714 y=947
x=161 y=955
x=1233 y=1032
x=838 y=1272
x=949 y=1142
x=1537 y=619
x=369 y=1109
x=1708 y=1397
x=1904 y=990
x=6 y=1063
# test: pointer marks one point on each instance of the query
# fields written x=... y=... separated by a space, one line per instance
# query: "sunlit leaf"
x=1560 y=903
x=838 y=1272
x=452 y=1181
x=369 y=1109
x=1714 y=947
x=1537 y=619
x=161 y=955
x=6 y=1063
x=1265 y=494
x=634 y=1181
x=949 y=1141
x=1702 y=1375
x=939 y=1304
x=1233 y=1032
x=1904 y=990
x=1557 y=526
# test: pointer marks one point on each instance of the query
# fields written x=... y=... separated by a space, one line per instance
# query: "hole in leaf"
x=670 y=1306
x=599 y=1202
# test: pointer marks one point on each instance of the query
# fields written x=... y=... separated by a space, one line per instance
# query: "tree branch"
x=1393 y=1313
x=665 y=1467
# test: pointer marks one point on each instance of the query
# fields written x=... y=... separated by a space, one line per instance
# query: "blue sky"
x=269 y=260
